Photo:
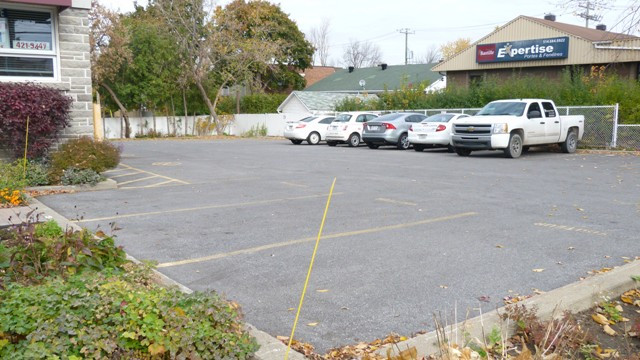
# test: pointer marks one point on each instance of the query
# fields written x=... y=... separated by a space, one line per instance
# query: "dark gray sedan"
x=390 y=129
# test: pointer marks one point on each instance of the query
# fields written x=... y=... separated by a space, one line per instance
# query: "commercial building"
x=47 y=42
x=542 y=47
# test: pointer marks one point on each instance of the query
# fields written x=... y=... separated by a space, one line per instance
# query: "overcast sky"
x=434 y=22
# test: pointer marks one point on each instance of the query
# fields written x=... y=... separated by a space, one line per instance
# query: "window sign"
x=4 y=33
x=526 y=50
x=31 y=45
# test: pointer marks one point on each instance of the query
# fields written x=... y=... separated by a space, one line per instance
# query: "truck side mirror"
x=534 y=114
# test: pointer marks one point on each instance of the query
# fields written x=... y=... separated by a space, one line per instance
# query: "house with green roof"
x=376 y=79
x=316 y=102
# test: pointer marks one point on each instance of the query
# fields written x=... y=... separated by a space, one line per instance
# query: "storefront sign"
x=31 y=45
x=526 y=50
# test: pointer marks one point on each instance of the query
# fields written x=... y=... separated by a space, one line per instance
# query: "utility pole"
x=406 y=32
x=586 y=15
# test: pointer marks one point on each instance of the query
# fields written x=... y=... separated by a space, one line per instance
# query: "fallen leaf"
x=609 y=331
x=484 y=298
x=580 y=209
x=312 y=324
x=443 y=286
x=525 y=354
x=619 y=308
x=344 y=308
x=600 y=319
x=322 y=290
x=538 y=291
x=571 y=248
x=538 y=270
x=282 y=338
x=500 y=246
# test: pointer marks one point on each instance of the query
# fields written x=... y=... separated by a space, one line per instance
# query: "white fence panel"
x=275 y=123
x=114 y=127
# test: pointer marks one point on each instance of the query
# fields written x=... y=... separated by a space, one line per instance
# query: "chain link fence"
x=601 y=129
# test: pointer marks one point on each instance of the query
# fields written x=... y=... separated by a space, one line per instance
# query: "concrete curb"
x=270 y=347
x=107 y=184
x=574 y=297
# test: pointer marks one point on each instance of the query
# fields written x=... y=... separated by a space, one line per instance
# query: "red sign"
x=486 y=53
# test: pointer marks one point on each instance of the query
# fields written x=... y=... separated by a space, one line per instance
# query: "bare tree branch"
x=361 y=54
x=319 y=37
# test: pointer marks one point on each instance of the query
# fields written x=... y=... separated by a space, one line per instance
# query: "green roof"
x=376 y=79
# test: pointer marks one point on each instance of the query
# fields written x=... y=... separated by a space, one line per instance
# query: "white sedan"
x=347 y=128
x=434 y=131
x=313 y=129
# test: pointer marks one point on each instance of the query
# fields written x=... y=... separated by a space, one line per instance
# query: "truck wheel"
x=354 y=140
x=570 y=145
x=297 y=142
x=403 y=142
x=313 y=139
x=450 y=148
x=418 y=147
x=331 y=143
x=514 y=150
x=462 y=152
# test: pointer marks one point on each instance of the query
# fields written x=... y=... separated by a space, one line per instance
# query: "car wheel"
x=571 y=144
x=373 y=146
x=331 y=143
x=450 y=148
x=354 y=140
x=313 y=138
x=514 y=150
x=297 y=142
x=418 y=147
x=462 y=152
x=403 y=142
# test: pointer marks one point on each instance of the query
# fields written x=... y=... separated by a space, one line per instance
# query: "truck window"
x=533 y=108
x=549 y=110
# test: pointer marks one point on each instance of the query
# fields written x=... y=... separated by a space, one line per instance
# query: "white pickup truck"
x=515 y=125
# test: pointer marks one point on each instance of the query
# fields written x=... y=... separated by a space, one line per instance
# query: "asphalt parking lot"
x=408 y=234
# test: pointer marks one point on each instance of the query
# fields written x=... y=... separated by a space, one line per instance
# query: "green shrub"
x=256 y=130
x=12 y=184
x=40 y=251
x=84 y=153
x=73 y=176
x=37 y=173
x=118 y=315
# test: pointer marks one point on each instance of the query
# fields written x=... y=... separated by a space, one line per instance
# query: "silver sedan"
x=390 y=129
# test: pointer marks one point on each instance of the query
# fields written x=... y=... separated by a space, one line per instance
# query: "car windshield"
x=438 y=118
x=342 y=118
x=389 y=117
x=503 y=108
x=309 y=119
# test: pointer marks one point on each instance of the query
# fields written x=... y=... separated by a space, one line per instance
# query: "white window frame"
x=54 y=53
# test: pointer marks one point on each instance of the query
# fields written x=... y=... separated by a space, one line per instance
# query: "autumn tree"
x=295 y=52
x=453 y=47
x=109 y=52
x=361 y=54
x=216 y=48
x=319 y=38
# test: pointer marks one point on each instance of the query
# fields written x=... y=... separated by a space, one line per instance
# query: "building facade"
x=46 y=42
x=528 y=46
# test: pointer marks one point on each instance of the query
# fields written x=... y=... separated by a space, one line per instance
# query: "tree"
x=109 y=52
x=217 y=49
x=453 y=47
x=319 y=37
x=361 y=54
x=295 y=53
x=432 y=55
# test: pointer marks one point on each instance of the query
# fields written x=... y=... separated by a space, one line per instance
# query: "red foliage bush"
x=48 y=111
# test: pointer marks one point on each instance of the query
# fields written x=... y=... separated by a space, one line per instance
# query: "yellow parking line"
x=293 y=184
x=149 y=186
x=123 y=175
x=160 y=183
x=151 y=173
x=114 y=170
x=136 y=180
x=221 y=206
x=396 y=202
x=311 y=239
x=571 y=228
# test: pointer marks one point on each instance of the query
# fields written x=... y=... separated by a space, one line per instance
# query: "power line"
x=406 y=32
x=586 y=15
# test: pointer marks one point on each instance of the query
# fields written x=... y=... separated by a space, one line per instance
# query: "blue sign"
x=525 y=50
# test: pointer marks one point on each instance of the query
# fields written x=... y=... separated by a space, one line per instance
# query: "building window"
x=27 y=44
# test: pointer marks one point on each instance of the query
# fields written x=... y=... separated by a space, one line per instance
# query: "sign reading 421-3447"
x=525 y=50
x=31 y=45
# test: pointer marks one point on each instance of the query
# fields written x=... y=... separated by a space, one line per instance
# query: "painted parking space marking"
x=136 y=180
x=123 y=175
x=293 y=184
x=397 y=202
x=168 y=163
x=152 y=173
x=571 y=228
x=311 y=239
x=198 y=208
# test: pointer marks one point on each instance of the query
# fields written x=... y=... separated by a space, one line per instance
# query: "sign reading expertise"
x=526 y=50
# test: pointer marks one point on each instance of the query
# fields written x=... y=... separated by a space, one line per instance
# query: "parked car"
x=514 y=125
x=347 y=128
x=390 y=129
x=313 y=129
x=434 y=131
